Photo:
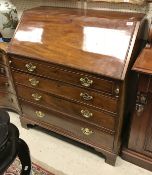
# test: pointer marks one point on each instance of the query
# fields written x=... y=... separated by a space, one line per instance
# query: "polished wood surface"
x=64 y=74
x=98 y=42
x=70 y=70
x=69 y=127
x=101 y=119
x=144 y=63
x=67 y=91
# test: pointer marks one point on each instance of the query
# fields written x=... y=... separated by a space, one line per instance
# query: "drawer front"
x=4 y=84
x=67 y=91
x=2 y=70
x=101 y=119
x=69 y=127
x=63 y=74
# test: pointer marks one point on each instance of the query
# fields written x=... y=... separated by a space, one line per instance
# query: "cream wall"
x=26 y=4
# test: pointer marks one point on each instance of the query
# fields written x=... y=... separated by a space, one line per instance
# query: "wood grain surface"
x=97 y=41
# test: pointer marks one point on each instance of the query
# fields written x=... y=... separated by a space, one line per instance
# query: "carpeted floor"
x=15 y=169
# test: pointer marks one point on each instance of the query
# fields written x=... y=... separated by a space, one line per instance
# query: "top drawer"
x=64 y=74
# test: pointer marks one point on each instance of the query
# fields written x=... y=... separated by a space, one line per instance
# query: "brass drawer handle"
x=86 y=131
x=86 y=113
x=86 y=81
x=36 y=97
x=40 y=114
x=33 y=81
x=30 y=67
x=86 y=96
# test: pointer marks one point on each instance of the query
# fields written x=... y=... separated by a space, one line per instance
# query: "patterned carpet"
x=15 y=168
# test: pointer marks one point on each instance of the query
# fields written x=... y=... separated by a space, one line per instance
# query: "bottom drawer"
x=81 y=131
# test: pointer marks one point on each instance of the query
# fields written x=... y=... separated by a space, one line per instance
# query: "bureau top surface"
x=93 y=41
x=143 y=63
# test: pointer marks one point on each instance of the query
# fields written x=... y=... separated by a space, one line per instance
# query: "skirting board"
x=136 y=158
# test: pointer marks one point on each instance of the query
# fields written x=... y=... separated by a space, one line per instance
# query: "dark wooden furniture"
x=7 y=93
x=70 y=70
x=139 y=147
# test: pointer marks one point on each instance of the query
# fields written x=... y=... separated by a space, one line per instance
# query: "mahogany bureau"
x=70 y=70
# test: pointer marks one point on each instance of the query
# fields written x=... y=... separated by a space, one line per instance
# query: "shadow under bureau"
x=70 y=70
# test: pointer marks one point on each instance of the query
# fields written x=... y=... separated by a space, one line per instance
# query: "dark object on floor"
x=12 y=146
